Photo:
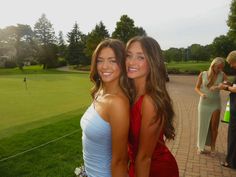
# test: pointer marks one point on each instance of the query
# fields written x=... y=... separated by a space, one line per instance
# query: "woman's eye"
x=140 y=57
x=128 y=56
x=99 y=61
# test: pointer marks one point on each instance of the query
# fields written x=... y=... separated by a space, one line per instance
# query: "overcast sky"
x=173 y=23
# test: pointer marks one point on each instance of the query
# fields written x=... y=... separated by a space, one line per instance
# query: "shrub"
x=10 y=64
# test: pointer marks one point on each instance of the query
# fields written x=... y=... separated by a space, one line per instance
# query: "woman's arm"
x=198 y=86
x=149 y=135
x=231 y=89
x=119 y=121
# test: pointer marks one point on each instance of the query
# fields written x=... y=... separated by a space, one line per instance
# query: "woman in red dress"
x=151 y=113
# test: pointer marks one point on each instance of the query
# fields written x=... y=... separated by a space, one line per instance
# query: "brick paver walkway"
x=181 y=89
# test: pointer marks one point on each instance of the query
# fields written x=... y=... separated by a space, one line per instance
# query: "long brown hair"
x=118 y=48
x=156 y=83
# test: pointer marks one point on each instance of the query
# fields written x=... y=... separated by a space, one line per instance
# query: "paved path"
x=69 y=69
x=181 y=89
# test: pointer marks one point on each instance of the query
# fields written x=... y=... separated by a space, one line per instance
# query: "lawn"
x=40 y=98
x=191 y=67
x=42 y=120
x=53 y=150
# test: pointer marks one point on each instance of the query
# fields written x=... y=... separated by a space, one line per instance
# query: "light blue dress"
x=96 y=140
x=206 y=107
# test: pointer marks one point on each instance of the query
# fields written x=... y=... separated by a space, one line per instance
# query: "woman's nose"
x=105 y=64
x=130 y=61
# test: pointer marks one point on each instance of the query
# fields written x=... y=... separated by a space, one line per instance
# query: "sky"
x=173 y=23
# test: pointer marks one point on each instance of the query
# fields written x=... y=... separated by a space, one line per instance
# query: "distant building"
x=3 y=60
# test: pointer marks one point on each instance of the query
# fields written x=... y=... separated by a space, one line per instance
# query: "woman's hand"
x=223 y=86
x=203 y=96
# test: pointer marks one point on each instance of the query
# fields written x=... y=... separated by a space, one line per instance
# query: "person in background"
x=209 y=106
x=151 y=117
x=230 y=160
x=105 y=124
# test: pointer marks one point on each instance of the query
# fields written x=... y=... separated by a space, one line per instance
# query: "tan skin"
x=215 y=118
x=138 y=69
x=111 y=100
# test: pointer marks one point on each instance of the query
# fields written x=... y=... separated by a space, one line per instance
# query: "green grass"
x=56 y=159
x=46 y=95
x=28 y=70
x=188 y=67
x=48 y=108
x=36 y=69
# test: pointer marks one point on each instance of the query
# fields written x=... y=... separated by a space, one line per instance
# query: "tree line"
x=220 y=46
x=21 y=45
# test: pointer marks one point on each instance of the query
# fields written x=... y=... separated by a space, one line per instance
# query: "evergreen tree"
x=95 y=37
x=75 y=50
x=61 y=45
x=44 y=31
x=45 y=36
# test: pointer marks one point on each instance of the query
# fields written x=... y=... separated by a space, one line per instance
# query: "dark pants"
x=231 y=151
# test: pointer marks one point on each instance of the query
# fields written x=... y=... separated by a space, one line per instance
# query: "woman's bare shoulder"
x=147 y=99
x=148 y=104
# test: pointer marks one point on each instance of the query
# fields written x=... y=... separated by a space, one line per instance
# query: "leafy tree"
x=15 y=43
x=231 y=22
x=24 y=50
x=125 y=29
x=95 y=37
x=75 y=50
x=172 y=54
x=139 y=31
x=222 y=45
x=209 y=51
x=198 y=52
x=48 y=54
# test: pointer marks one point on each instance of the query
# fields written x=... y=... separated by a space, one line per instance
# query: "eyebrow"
x=139 y=53
x=109 y=58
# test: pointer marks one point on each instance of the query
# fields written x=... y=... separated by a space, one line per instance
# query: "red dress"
x=163 y=163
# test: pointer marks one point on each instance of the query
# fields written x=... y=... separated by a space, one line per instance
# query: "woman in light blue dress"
x=105 y=124
x=209 y=104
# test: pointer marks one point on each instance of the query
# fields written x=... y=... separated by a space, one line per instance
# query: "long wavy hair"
x=212 y=74
x=118 y=48
x=156 y=83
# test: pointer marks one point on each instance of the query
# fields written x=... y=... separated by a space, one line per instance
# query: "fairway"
x=189 y=66
x=45 y=95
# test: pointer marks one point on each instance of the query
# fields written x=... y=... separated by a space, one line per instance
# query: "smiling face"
x=107 y=66
x=136 y=62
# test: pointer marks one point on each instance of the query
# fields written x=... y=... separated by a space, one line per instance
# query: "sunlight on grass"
x=46 y=95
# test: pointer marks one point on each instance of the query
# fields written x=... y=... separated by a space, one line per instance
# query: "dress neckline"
x=96 y=112
x=138 y=100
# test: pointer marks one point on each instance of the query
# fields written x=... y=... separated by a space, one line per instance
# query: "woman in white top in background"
x=105 y=124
